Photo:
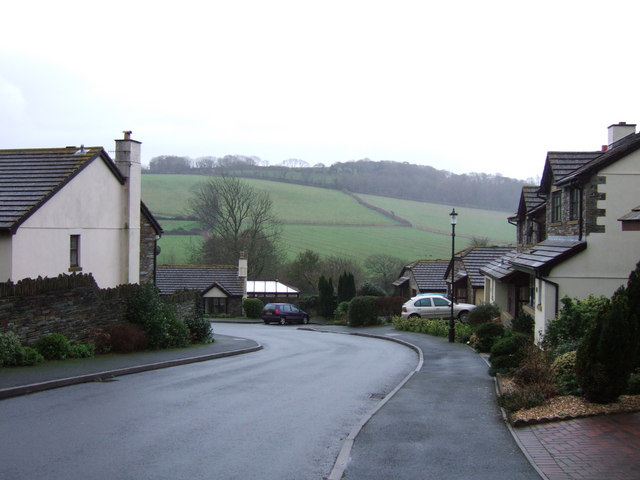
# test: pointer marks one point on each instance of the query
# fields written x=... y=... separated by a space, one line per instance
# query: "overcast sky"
x=466 y=86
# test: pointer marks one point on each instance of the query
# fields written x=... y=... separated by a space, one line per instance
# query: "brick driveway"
x=595 y=448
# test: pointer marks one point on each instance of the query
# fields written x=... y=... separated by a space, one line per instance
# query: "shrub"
x=10 y=349
x=127 y=338
x=368 y=289
x=436 y=327
x=199 y=329
x=252 y=307
x=82 y=350
x=523 y=323
x=564 y=374
x=507 y=352
x=178 y=333
x=486 y=335
x=483 y=314
x=565 y=333
x=341 y=313
x=633 y=385
x=605 y=358
x=363 y=311
x=521 y=399
x=534 y=371
x=389 y=306
x=158 y=319
x=29 y=356
x=53 y=347
x=101 y=340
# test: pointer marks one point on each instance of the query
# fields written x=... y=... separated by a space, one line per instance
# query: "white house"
x=588 y=231
x=73 y=209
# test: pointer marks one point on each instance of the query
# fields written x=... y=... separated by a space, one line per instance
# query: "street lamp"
x=452 y=326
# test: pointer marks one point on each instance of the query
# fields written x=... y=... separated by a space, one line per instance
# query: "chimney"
x=618 y=131
x=128 y=162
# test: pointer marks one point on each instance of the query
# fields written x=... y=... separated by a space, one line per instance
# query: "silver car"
x=435 y=305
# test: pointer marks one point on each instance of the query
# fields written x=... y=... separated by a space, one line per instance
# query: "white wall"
x=5 y=257
x=92 y=206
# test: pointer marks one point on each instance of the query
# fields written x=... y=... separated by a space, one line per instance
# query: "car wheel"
x=283 y=321
x=463 y=317
x=414 y=315
x=305 y=320
x=267 y=322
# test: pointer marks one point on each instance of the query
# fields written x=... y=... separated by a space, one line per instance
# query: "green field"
x=331 y=222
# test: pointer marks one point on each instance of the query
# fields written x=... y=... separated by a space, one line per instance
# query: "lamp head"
x=454 y=217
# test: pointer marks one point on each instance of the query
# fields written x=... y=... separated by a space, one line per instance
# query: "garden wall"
x=72 y=305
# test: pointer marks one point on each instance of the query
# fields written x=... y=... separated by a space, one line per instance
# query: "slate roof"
x=30 y=177
x=474 y=258
x=618 y=150
x=173 y=278
x=633 y=215
x=560 y=164
x=547 y=254
x=500 y=268
x=428 y=274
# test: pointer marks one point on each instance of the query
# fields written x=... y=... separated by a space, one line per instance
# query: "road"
x=280 y=413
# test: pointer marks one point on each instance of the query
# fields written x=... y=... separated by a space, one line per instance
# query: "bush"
x=363 y=311
x=521 y=399
x=10 y=349
x=565 y=333
x=534 y=371
x=158 y=319
x=252 y=307
x=81 y=350
x=507 y=352
x=341 y=313
x=523 y=323
x=389 y=306
x=53 y=347
x=368 y=289
x=436 y=327
x=486 y=335
x=29 y=356
x=564 y=374
x=199 y=329
x=633 y=385
x=127 y=338
x=483 y=314
x=605 y=358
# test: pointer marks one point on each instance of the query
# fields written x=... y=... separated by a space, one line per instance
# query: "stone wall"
x=72 y=305
x=148 y=247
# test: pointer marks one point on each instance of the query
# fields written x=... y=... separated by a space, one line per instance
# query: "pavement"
x=441 y=422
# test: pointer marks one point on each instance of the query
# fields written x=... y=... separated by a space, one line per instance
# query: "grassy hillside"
x=331 y=222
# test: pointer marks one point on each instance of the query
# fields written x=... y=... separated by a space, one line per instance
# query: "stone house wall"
x=148 y=246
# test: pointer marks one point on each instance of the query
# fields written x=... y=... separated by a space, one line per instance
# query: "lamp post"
x=452 y=326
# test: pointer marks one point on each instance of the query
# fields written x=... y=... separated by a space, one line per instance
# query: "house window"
x=574 y=203
x=556 y=206
x=74 y=252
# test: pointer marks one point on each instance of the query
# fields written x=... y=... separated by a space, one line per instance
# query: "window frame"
x=74 y=252
x=556 y=206
x=575 y=197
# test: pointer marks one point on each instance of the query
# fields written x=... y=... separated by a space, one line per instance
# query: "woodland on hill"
x=384 y=178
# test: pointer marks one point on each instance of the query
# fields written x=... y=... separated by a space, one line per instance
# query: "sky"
x=465 y=86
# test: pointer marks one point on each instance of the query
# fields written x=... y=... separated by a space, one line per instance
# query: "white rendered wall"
x=92 y=206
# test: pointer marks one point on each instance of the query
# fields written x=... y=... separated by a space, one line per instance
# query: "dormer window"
x=556 y=206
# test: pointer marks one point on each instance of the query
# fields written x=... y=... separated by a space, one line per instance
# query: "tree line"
x=385 y=178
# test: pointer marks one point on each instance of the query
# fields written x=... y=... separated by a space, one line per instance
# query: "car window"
x=294 y=309
x=286 y=308
x=423 y=302
x=440 y=302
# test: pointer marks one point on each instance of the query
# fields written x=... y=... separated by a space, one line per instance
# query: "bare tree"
x=383 y=269
x=236 y=217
